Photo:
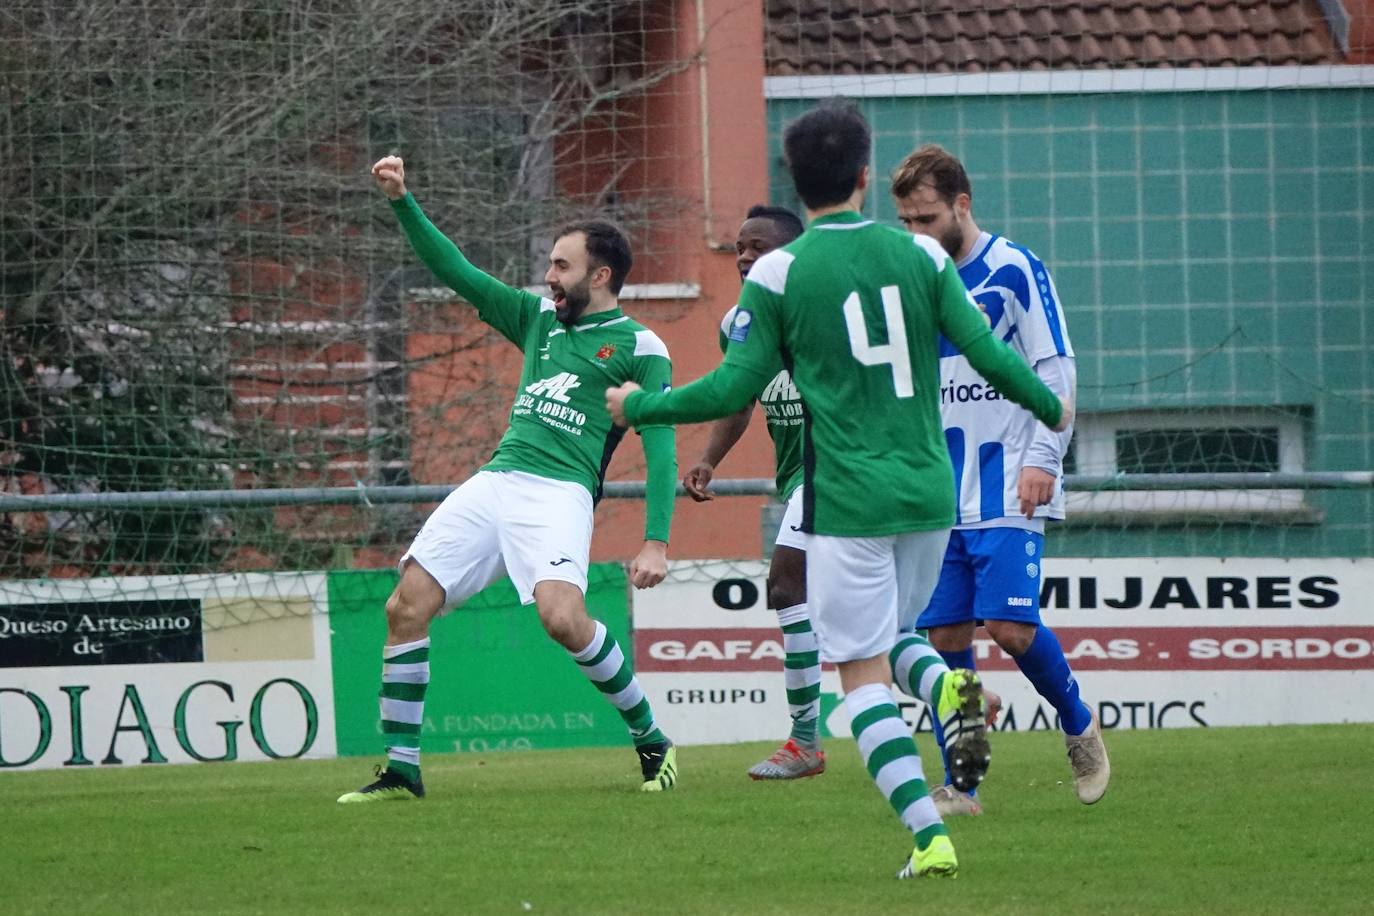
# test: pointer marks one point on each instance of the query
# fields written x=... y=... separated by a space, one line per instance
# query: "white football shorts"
x=506 y=523
x=862 y=592
x=789 y=532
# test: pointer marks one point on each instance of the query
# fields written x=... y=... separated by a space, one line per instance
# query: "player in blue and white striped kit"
x=1008 y=468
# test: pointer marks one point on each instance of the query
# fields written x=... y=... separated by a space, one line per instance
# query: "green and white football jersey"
x=782 y=408
x=854 y=311
x=559 y=425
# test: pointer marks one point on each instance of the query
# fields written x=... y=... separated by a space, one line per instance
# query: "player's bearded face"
x=924 y=212
x=569 y=302
x=951 y=237
x=569 y=277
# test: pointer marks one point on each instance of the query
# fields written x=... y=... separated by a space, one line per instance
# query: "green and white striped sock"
x=918 y=669
x=606 y=666
x=801 y=673
x=892 y=760
x=405 y=675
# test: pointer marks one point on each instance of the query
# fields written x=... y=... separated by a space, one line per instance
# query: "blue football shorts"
x=987 y=574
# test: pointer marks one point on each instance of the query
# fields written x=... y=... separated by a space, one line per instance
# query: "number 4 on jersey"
x=893 y=353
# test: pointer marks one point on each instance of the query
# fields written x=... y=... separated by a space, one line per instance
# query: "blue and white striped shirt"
x=989 y=437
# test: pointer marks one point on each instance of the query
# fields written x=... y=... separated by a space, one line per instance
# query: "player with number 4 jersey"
x=854 y=311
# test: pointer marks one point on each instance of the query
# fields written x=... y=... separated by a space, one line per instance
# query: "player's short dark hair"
x=789 y=222
x=933 y=165
x=606 y=247
x=826 y=150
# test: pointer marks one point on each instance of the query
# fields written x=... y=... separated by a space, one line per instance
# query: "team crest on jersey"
x=739 y=328
x=606 y=351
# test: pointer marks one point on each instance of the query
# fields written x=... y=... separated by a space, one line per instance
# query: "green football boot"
x=962 y=712
x=658 y=764
x=389 y=786
x=936 y=861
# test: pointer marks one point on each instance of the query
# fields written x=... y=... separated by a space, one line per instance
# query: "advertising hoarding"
x=1154 y=642
x=164 y=669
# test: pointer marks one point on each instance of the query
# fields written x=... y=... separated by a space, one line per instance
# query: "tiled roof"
x=807 y=37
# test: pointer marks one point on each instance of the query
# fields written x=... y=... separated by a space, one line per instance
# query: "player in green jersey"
x=764 y=229
x=527 y=513
x=853 y=310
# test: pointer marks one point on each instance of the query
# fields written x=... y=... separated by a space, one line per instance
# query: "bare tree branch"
x=191 y=197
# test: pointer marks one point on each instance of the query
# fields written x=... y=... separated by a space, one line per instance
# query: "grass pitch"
x=1241 y=820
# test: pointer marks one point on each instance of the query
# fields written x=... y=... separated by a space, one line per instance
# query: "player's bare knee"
x=785 y=591
x=563 y=615
x=953 y=638
x=787 y=578
x=417 y=598
x=406 y=619
x=863 y=671
x=1012 y=636
x=558 y=626
x=570 y=627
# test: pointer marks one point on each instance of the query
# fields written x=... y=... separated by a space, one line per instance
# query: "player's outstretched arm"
x=724 y=434
x=1010 y=375
x=500 y=305
x=724 y=390
x=751 y=361
x=390 y=174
